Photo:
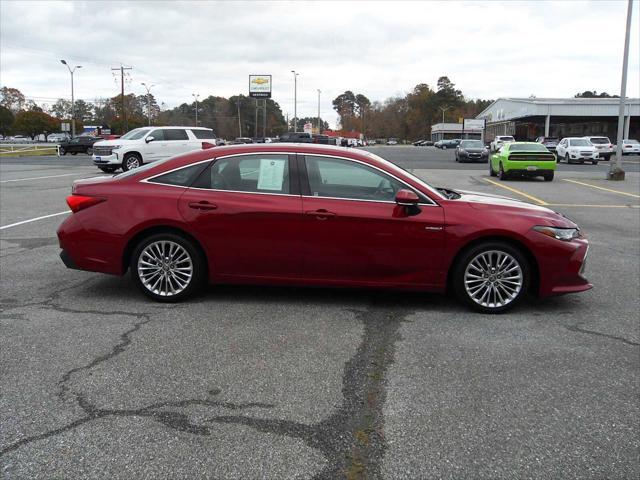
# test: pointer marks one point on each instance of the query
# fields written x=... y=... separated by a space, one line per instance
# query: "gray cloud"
x=489 y=49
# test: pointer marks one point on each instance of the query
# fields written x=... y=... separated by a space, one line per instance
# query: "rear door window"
x=261 y=173
x=158 y=135
x=182 y=177
x=175 y=134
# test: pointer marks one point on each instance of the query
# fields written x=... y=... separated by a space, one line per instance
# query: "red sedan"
x=315 y=215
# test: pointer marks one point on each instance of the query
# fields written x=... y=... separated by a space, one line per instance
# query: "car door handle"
x=202 y=205
x=321 y=214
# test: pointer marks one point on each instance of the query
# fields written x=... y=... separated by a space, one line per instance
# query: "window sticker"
x=271 y=174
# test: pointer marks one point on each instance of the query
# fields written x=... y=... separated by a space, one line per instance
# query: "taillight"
x=206 y=145
x=80 y=202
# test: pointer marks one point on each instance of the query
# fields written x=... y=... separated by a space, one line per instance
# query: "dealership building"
x=530 y=118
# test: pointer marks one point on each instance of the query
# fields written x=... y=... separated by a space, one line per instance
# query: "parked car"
x=630 y=147
x=603 y=146
x=296 y=137
x=577 y=150
x=392 y=141
x=446 y=144
x=241 y=140
x=417 y=143
x=471 y=151
x=500 y=140
x=529 y=159
x=57 y=137
x=209 y=215
x=320 y=138
x=426 y=143
x=82 y=144
x=549 y=142
x=149 y=144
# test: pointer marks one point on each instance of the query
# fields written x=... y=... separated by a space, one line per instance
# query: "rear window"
x=182 y=177
x=204 y=134
x=527 y=147
x=507 y=139
x=599 y=140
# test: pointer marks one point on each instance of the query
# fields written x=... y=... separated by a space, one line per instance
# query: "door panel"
x=252 y=233
x=366 y=241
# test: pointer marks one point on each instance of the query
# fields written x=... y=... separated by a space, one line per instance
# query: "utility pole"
x=73 y=109
x=615 y=170
x=295 y=100
x=148 y=88
x=319 y=127
x=196 y=96
x=122 y=68
x=264 y=120
x=239 y=122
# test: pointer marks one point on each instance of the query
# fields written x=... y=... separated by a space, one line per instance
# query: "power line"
x=122 y=68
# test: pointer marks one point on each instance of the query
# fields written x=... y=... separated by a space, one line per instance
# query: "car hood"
x=484 y=201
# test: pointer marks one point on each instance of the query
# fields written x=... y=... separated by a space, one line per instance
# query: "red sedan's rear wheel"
x=492 y=277
x=167 y=267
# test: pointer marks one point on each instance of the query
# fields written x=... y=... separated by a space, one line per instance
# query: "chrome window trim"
x=413 y=189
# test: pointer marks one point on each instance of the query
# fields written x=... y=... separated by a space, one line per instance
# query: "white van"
x=149 y=144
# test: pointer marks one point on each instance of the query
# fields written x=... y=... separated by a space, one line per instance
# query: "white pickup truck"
x=149 y=144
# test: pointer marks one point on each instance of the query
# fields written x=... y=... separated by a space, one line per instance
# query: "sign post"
x=260 y=89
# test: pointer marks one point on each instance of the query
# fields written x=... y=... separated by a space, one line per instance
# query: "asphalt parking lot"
x=248 y=382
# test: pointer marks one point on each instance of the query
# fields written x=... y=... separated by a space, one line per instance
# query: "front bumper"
x=562 y=266
x=473 y=157
x=575 y=156
x=102 y=160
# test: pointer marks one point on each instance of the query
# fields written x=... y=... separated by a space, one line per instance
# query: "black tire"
x=491 y=172
x=567 y=159
x=198 y=265
x=89 y=151
x=108 y=169
x=548 y=177
x=463 y=262
x=63 y=151
x=130 y=161
x=594 y=162
x=502 y=175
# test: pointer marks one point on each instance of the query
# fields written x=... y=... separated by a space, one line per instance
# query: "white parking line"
x=39 y=178
x=35 y=219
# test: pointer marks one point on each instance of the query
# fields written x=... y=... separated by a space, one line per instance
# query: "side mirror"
x=407 y=198
x=149 y=139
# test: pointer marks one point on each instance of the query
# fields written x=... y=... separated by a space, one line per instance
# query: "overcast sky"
x=489 y=49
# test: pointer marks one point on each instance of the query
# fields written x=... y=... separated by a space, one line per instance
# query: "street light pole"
x=319 y=129
x=196 y=95
x=148 y=88
x=444 y=109
x=73 y=111
x=615 y=170
x=295 y=100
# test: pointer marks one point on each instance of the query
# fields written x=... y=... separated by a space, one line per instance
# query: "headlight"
x=564 y=234
x=115 y=147
x=462 y=150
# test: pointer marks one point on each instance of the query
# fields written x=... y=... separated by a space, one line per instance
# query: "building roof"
x=509 y=108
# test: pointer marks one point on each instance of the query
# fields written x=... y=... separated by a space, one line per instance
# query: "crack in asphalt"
x=352 y=438
x=577 y=328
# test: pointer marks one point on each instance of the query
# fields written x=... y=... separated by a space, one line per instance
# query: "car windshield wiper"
x=450 y=194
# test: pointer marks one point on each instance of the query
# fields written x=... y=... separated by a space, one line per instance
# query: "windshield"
x=471 y=144
x=633 y=142
x=599 y=140
x=580 y=142
x=135 y=134
x=550 y=139
x=527 y=147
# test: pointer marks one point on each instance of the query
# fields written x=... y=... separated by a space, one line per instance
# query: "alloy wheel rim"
x=132 y=162
x=165 y=268
x=493 y=279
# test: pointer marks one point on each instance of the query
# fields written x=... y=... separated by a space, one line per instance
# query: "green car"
x=528 y=159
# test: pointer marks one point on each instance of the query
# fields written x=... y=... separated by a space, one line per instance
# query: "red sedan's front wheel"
x=167 y=267
x=492 y=277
